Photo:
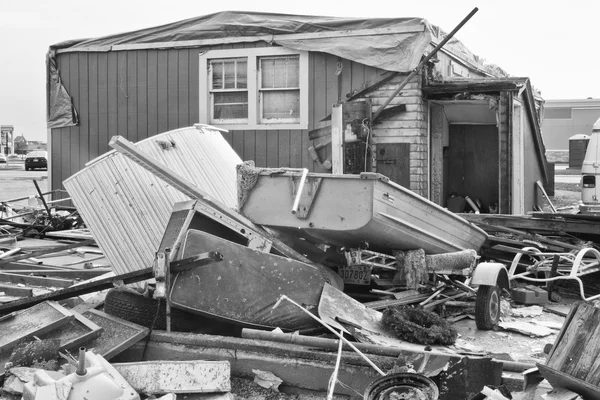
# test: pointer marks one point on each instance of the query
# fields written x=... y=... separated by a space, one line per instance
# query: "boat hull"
x=245 y=286
x=348 y=210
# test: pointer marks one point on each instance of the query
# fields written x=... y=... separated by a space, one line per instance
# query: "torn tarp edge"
x=60 y=109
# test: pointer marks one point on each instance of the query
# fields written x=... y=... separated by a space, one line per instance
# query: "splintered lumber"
x=36 y=320
x=107 y=283
x=46 y=251
x=194 y=376
x=449 y=263
x=18 y=291
x=117 y=335
x=35 y=280
x=577 y=348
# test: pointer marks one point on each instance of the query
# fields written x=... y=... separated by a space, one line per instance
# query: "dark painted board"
x=94 y=123
x=66 y=142
x=142 y=94
x=319 y=101
x=473 y=162
x=163 y=91
x=260 y=155
x=296 y=148
x=249 y=145
x=172 y=92
x=112 y=88
x=183 y=89
x=393 y=161
x=84 y=113
x=122 y=93
x=238 y=144
x=152 y=93
x=193 y=72
x=102 y=103
x=272 y=149
x=131 y=96
x=331 y=79
x=228 y=136
x=284 y=149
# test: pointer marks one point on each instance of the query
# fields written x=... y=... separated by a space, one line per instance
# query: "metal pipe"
x=423 y=62
x=299 y=191
x=81 y=362
x=342 y=338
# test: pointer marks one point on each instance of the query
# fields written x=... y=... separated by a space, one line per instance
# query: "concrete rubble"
x=135 y=328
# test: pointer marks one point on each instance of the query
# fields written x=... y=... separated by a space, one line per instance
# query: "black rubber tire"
x=142 y=311
x=487 y=307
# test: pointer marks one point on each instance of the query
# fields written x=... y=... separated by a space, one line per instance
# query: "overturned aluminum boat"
x=349 y=210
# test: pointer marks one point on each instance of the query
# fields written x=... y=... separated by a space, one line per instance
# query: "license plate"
x=35 y=160
x=356 y=274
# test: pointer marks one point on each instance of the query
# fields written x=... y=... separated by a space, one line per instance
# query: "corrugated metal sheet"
x=127 y=208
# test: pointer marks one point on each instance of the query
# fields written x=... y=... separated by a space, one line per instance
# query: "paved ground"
x=15 y=182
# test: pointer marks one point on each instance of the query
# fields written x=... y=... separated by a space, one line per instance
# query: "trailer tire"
x=143 y=311
x=487 y=307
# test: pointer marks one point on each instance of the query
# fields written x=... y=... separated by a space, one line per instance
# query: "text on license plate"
x=356 y=274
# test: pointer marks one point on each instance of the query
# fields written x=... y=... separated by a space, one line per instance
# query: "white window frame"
x=254 y=113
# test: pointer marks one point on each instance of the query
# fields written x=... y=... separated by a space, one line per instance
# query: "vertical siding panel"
x=228 y=136
x=357 y=76
x=163 y=89
x=71 y=140
x=131 y=98
x=113 y=116
x=284 y=148
x=250 y=145
x=122 y=94
x=142 y=94
x=183 y=89
x=331 y=83
x=296 y=148
x=172 y=92
x=56 y=137
x=194 y=79
x=307 y=162
x=272 y=149
x=103 y=114
x=346 y=78
x=260 y=156
x=238 y=144
x=320 y=85
x=311 y=91
x=93 y=107
x=152 y=92
x=84 y=113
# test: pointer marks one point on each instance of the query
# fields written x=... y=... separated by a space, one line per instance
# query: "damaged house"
x=271 y=80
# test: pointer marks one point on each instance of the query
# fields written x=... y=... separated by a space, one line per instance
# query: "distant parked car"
x=36 y=159
x=2 y=159
x=14 y=157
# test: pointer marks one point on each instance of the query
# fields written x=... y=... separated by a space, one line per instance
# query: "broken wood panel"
x=49 y=250
x=503 y=167
x=19 y=291
x=159 y=377
x=64 y=274
x=36 y=320
x=586 y=367
x=573 y=339
x=527 y=223
x=117 y=334
x=75 y=333
x=35 y=280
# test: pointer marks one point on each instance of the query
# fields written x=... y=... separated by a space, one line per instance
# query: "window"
x=261 y=88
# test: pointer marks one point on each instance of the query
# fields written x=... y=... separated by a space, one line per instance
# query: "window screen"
x=279 y=88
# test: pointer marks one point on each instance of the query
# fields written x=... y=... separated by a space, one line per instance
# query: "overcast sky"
x=555 y=43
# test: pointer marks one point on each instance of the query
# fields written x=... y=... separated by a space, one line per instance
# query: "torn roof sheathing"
x=393 y=44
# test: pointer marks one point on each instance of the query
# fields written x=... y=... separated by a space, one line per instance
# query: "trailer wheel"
x=487 y=307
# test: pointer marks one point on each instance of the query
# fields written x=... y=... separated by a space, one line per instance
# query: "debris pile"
x=342 y=284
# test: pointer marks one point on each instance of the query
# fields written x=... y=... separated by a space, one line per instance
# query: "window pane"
x=281 y=104
x=229 y=74
x=242 y=74
x=230 y=105
x=280 y=72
